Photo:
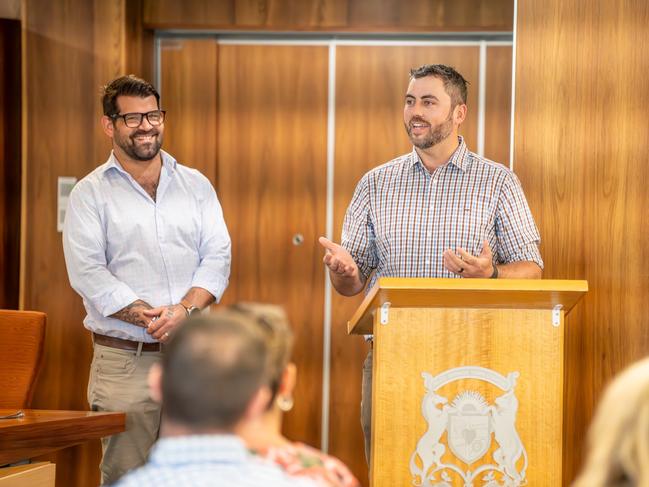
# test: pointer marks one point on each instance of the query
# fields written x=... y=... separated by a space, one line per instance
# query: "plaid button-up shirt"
x=402 y=217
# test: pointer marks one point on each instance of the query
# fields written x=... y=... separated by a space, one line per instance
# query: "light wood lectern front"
x=467 y=380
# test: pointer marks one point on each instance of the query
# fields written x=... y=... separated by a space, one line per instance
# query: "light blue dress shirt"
x=209 y=460
x=121 y=246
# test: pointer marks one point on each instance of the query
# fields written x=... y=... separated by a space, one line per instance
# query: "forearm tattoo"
x=133 y=313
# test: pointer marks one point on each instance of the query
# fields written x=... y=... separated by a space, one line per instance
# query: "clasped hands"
x=163 y=320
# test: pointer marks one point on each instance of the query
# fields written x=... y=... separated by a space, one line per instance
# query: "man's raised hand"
x=337 y=259
x=467 y=265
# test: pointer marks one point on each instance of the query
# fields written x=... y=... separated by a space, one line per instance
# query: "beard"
x=435 y=134
x=137 y=150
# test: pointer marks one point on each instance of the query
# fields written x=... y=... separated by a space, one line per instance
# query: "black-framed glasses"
x=134 y=120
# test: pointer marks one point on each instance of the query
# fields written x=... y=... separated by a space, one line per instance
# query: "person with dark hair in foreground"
x=264 y=434
x=145 y=246
x=212 y=383
x=438 y=211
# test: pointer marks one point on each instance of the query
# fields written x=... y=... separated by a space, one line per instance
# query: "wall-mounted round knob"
x=298 y=239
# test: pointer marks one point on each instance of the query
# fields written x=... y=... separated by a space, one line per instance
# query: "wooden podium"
x=467 y=380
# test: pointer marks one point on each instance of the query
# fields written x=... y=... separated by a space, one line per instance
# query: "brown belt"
x=122 y=344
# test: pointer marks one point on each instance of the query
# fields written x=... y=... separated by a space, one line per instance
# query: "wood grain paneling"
x=41 y=431
x=139 y=42
x=272 y=181
x=40 y=474
x=10 y=9
x=371 y=84
x=438 y=340
x=71 y=49
x=108 y=31
x=339 y=15
x=10 y=158
x=498 y=104
x=465 y=293
x=188 y=89
x=306 y=14
x=436 y=15
x=194 y=12
x=582 y=154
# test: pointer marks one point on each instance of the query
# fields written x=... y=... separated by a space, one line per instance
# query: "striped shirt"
x=402 y=217
x=208 y=460
x=120 y=245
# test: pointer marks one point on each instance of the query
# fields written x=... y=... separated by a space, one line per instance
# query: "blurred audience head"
x=213 y=374
x=265 y=435
x=271 y=321
x=618 y=439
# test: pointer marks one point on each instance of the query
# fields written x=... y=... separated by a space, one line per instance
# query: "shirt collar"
x=168 y=162
x=460 y=157
x=194 y=449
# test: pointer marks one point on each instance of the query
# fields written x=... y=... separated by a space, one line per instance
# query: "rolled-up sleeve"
x=358 y=233
x=213 y=271
x=84 y=247
x=518 y=237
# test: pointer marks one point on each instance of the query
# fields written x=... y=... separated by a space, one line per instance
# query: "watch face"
x=194 y=311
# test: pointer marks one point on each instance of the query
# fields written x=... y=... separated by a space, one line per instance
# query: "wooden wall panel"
x=498 y=103
x=71 y=49
x=188 y=91
x=339 y=15
x=10 y=9
x=195 y=12
x=439 y=15
x=371 y=83
x=582 y=154
x=138 y=42
x=10 y=158
x=272 y=181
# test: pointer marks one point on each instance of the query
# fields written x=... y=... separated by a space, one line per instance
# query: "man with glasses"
x=145 y=246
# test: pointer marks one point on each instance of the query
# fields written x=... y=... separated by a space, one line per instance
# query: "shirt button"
x=430 y=234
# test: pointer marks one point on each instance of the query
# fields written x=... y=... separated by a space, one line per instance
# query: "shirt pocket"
x=465 y=226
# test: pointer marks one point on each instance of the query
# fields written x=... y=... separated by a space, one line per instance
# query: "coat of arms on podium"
x=482 y=447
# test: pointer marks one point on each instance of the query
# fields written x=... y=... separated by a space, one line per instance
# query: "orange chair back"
x=22 y=334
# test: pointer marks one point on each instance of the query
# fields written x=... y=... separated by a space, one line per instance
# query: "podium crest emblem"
x=472 y=426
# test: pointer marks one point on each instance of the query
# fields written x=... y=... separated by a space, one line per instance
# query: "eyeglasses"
x=134 y=120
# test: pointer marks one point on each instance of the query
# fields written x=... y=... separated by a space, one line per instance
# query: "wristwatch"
x=190 y=309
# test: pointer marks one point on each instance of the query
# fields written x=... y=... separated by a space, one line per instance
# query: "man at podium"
x=438 y=211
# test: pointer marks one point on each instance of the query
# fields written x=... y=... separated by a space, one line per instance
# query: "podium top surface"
x=466 y=293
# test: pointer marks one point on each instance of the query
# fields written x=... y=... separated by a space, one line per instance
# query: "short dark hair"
x=129 y=85
x=211 y=370
x=454 y=83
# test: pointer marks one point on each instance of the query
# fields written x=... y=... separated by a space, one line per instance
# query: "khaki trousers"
x=118 y=382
